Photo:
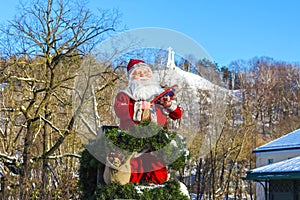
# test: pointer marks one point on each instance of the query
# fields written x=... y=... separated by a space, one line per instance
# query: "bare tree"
x=44 y=47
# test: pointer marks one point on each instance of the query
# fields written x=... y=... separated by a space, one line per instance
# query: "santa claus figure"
x=132 y=106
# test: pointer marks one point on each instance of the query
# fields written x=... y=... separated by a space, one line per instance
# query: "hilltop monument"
x=171 y=61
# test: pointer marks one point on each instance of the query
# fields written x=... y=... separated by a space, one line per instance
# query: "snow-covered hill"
x=181 y=77
x=201 y=100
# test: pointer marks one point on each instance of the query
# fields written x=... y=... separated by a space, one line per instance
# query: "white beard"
x=144 y=90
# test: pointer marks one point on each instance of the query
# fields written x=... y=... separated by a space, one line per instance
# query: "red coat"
x=124 y=109
x=145 y=167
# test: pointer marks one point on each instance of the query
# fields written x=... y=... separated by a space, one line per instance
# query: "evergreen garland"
x=147 y=134
x=165 y=145
x=169 y=191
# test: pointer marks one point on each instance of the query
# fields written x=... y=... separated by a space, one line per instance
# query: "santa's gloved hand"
x=166 y=101
x=168 y=104
x=146 y=105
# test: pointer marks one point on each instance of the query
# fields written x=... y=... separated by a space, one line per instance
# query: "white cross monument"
x=171 y=61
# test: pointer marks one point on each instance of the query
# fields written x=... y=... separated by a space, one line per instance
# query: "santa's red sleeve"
x=176 y=113
x=124 y=108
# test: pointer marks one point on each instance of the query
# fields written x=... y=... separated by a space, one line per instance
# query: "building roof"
x=286 y=169
x=287 y=142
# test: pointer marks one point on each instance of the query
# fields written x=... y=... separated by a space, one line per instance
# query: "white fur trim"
x=153 y=113
x=137 y=112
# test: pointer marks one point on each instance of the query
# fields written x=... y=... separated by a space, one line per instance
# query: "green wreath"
x=167 y=146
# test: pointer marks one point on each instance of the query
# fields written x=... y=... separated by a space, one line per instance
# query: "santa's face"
x=142 y=74
x=142 y=86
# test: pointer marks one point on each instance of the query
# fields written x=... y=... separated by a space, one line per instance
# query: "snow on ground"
x=181 y=77
x=183 y=188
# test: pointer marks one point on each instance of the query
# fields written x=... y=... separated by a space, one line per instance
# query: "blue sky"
x=227 y=29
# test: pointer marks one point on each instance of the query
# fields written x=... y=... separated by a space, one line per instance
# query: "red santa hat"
x=135 y=63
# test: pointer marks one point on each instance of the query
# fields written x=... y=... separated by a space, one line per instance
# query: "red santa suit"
x=145 y=167
x=128 y=109
x=125 y=110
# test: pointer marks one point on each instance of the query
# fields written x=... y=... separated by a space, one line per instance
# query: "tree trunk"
x=199 y=175
x=3 y=186
x=25 y=172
